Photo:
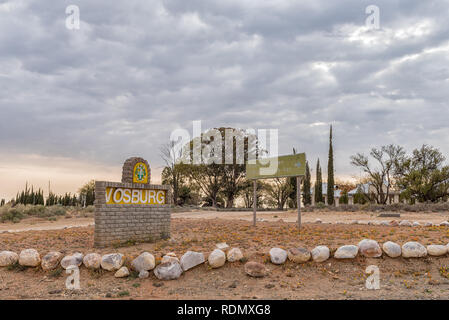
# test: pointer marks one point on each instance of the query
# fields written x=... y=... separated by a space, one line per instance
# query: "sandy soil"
x=400 y=278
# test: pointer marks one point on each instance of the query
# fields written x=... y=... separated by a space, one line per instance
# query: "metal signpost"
x=287 y=166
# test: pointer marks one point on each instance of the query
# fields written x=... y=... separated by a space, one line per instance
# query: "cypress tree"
x=318 y=184
x=292 y=182
x=307 y=198
x=330 y=172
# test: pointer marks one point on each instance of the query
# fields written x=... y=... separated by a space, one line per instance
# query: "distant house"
x=337 y=194
x=369 y=190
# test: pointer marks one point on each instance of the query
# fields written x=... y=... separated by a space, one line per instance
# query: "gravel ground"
x=399 y=278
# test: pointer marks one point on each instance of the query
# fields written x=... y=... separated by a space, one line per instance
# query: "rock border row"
x=392 y=223
x=172 y=268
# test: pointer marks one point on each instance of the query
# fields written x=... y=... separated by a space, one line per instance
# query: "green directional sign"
x=278 y=167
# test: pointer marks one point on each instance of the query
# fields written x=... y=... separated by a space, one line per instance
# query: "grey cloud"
x=136 y=71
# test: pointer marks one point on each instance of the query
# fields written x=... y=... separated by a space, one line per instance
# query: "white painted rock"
x=75 y=259
x=171 y=256
x=320 y=253
x=223 y=246
x=416 y=224
x=168 y=271
x=235 y=254
x=384 y=223
x=168 y=258
x=191 y=259
x=112 y=261
x=92 y=261
x=122 y=272
x=370 y=248
x=299 y=255
x=444 y=224
x=428 y=224
x=255 y=269
x=278 y=255
x=51 y=260
x=405 y=223
x=217 y=258
x=317 y=220
x=144 y=274
x=346 y=252
x=436 y=250
x=413 y=249
x=145 y=261
x=392 y=249
x=8 y=258
x=29 y=258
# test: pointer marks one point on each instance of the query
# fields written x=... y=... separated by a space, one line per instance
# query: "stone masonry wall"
x=128 y=167
x=118 y=223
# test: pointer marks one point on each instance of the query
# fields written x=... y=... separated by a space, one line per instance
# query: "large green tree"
x=247 y=192
x=86 y=192
x=423 y=176
x=330 y=172
x=221 y=171
x=278 y=191
x=318 y=184
x=234 y=169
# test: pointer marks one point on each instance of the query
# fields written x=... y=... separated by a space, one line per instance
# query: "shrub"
x=12 y=214
x=320 y=205
x=19 y=212
x=123 y=293
x=89 y=209
x=56 y=211
x=38 y=210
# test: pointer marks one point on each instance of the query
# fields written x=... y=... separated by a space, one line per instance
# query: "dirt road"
x=286 y=216
x=41 y=224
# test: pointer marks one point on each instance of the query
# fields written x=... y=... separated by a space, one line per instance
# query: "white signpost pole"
x=254 y=201
x=298 y=199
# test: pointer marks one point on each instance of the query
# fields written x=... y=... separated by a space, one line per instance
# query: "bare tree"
x=172 y=173
x=380 y=176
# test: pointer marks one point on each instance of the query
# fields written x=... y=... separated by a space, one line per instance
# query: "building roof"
x=364 y=188
x=337 y=192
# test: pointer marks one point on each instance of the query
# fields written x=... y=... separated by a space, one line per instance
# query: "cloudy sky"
x=76 y=103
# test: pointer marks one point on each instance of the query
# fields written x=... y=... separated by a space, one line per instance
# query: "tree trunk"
x=230 y=202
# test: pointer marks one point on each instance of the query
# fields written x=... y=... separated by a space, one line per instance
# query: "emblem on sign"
x=140 y=173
